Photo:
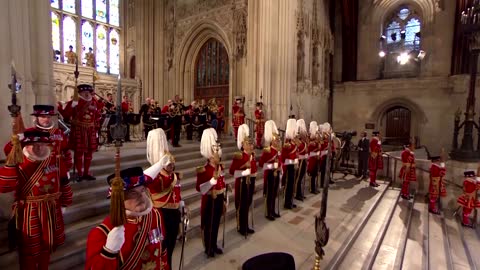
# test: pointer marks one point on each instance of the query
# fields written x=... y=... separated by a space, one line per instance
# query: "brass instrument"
x=174 y=110
x=212 y=105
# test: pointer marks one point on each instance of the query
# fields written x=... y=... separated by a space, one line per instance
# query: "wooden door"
x=398 y=126
x=212 y=73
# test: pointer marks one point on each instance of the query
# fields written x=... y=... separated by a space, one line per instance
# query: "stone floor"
x=293 y=233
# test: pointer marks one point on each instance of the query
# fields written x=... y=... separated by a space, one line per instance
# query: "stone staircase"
x=90 y=205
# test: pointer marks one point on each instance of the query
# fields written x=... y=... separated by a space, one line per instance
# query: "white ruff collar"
x=34 y=157
x=42 y=127
x=90 y=99
x=144 y=212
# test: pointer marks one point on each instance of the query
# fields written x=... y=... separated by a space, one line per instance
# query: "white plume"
x=157 y=145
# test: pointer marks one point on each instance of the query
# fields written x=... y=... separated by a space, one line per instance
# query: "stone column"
x=26 y=30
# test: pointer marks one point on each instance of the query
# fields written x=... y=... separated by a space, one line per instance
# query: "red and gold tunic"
x=469 y=197
x=136 y=253
x=242 y=161
x=85 y=118
x=313 y=157
x=375 y=160
x=259 y=122
x=437 y=185
x=238 y=116
x=165 y=190
x=408 y=172
x=267 y=161
x=221 y=112
x=39 y=196
x=204 y=174
x=302 y=149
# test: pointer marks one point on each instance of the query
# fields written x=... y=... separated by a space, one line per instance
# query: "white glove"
x=296 y=161
x=213 y=181
x=227 y=202
x=115 y=239
x=74 y=104
x=275 y=165
x=246 y=172
x=63 y=210
x=442 y=164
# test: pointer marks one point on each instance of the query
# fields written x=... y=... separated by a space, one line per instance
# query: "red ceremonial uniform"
x=313 y=164
x=138 y=252
x=436 y=187
x=165 y=191
x=244 y=186
x=259 y=126
x=375 y=160
x=125 y=107
x=85 y=119
x=39 y=196
x=288 y=158
x=407 y=172
x=212 y=204
x=271 y=180
x=238 y=118
x=468 y=200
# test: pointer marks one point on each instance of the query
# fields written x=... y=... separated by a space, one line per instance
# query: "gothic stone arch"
x=417 y=120
x=187 y=53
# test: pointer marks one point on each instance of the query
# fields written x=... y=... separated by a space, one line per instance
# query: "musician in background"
x=238 y=115
x=125 y=111
x=145 y=112
x=192 y=113
x=109 y=104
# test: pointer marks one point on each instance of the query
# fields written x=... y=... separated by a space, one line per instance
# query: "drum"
x=133 y=119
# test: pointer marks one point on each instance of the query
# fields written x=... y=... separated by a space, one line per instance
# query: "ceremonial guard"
x=323 y=152
x=43 y=122
x=407 y=172
x=302 y=150
x=41 y=193
x=313 y=157
x=436 y=187
x=375 y=161
x=165 y=187
x=238 y=116
x=363 y=155
x=85 y=118
x=244 y=170
x=192 y=119
x=138 y=243
x=289 y=159
x=211 y=183
x=468 y=200
x=259 y=124
x=270 y=162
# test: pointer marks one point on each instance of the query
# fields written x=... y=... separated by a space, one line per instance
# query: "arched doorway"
x=397 y=125
x=212 y=73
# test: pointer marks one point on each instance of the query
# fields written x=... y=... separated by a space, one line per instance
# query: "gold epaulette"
x=200 y=169
x=267 y=149
x=238 y=155
x=287 y=145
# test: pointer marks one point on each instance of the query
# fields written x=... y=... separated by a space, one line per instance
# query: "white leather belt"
x=268 y=166
x=289 y=161
x=314 y=154
x=324 y=152
x=302 y=156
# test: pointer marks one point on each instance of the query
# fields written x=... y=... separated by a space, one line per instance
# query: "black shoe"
x=276 y=215
x=434 y=211
x=250 y=231
x=242 y=232
x=299 y=198
x=331 y=182
x=270 y=218
x=218 y=250
x=89 y=177
x=316 y=192
x=405 y=197
x=469 y=225
x=294 y=205
x=287 y=207
x=211 y=254
x=374 y=185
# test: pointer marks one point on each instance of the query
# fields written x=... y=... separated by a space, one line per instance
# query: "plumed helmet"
x=291 y=129
x=243 y=135
x=313 y=128
x=301 y=127
x=209 y=144
x=157 y=145
x=270 y=133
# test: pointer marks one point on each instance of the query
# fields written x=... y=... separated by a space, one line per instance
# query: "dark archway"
x=397 y=125
x=212 y=73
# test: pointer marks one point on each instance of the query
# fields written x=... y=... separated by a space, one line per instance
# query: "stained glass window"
x=97 y=28
x=404 y=20
x=55 y=32
x=101 y=55
x=87 y=38
x=114 y=52
x=403 y=13
x=114 y=13
x=412 y=28
x=101 y=12
x=393 y=32
x=69 y=34
x=69 y=5
x=54 y=3
x=87 y=8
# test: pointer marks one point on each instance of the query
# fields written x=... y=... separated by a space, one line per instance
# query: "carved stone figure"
x=241 y=33
x=90 y=57
x=71 y=55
